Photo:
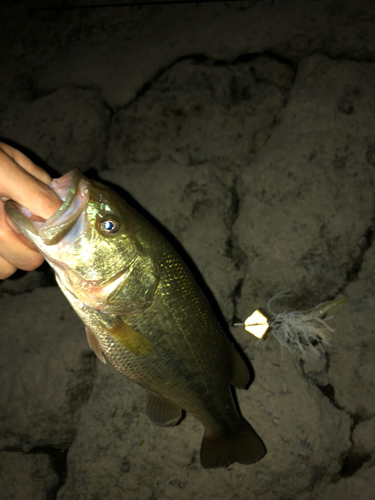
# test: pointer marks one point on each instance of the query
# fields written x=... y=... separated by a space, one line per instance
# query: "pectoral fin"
x=128 y=337
x=94 y=345
x=161 y=411
x=124 y=334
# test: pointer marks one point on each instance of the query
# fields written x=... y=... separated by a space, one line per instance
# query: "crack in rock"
x=160 y=122
x=355 y=269
x=79 y=393
x=260 y=74
x=352 y=460
x=352 y=463
x=58 y=458
x=233 y=250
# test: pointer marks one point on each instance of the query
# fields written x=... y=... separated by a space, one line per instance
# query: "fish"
x=144 y=312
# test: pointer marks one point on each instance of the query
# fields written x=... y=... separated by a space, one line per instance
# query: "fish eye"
x=109 y=225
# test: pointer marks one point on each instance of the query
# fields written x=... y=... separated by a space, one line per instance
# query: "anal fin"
x=161 y=411
x=240 y=372
x=94 y=345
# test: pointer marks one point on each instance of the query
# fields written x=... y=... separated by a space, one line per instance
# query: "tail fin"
x=243 y=446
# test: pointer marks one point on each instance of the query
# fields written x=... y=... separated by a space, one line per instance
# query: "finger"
x=14 y=251
x=26 y=163
x=24 y=239
x=26 y=190
x=6 y=269
x=20 y=256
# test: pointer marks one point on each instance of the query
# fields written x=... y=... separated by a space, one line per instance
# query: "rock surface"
x=26 y=477
x=47 y=370
x=360 y=487
x=243 y=130
x=364 y=437
x=69 y=127
x=317 y=216
x=118 y=449
x=353 y=349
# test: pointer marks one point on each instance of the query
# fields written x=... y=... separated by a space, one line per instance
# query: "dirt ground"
x=245 y=129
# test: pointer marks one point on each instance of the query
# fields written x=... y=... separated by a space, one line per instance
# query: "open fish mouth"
x=73 y=189
x=58 y=240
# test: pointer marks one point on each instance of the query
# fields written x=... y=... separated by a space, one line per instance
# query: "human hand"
x=24 y=182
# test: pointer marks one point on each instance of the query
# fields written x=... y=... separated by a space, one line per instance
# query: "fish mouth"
x=56 y=237
x=73 y=190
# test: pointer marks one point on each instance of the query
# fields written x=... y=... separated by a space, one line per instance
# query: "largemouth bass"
x=144 y=312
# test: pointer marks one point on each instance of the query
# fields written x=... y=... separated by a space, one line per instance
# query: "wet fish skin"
x=145 y=313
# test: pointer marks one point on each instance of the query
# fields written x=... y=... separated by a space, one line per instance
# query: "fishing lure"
x=303 y=333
